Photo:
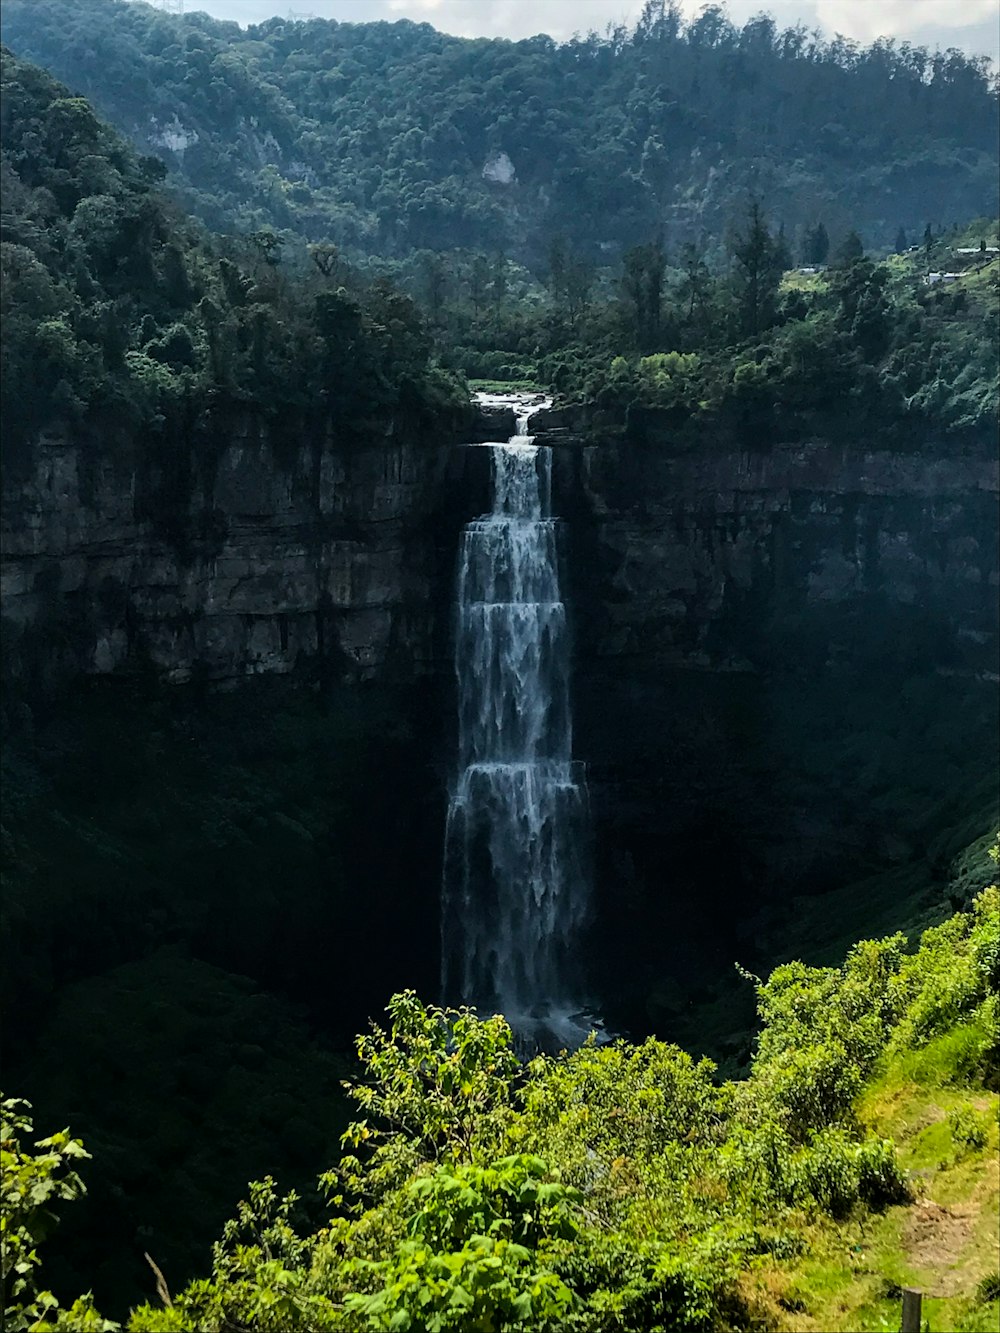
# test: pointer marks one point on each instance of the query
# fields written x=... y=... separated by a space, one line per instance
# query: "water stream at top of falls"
x=516 y=883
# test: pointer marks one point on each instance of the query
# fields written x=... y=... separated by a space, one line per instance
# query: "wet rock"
x=493 y=423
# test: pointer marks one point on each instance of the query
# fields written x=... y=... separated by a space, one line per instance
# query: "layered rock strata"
x=263 y=558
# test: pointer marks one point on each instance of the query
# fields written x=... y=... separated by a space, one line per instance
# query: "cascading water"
x=516 y=887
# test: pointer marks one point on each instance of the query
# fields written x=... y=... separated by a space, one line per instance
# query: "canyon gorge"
x=721 y=604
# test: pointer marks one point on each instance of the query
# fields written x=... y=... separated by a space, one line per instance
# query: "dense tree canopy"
x=118 y=309
x=392 y=137
x=372 y=138
x=748 y=348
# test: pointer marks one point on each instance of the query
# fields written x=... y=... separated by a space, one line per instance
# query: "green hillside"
x=622 y=1189
x=387 y=138
x=121 y=315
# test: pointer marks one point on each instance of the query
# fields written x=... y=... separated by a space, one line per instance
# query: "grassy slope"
x=821 y=928
x=945 y=1242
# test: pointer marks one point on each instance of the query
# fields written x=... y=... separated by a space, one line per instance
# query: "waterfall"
x=516 y=884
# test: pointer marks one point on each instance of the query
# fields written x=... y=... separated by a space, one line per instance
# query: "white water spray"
x=516 y=887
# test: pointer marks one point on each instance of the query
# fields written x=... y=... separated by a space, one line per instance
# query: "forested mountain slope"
x=389 y=137
x=121 y=314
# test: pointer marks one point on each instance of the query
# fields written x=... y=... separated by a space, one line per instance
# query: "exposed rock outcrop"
x=745 y=624
x=493 y=424
x=262 y=559
x=257 y=556
x=692 y=560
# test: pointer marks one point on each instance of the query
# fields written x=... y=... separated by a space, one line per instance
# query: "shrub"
x=968 y=1129
x=30 y=1184
x=837 y=1172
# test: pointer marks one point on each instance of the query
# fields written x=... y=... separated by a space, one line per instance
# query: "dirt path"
x=936 y=1240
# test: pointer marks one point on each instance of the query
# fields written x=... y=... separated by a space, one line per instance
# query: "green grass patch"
x=944 y=1242
x=505 y=386
x=794 y=281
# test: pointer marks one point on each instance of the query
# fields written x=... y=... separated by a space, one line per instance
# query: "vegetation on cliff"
x=859 y=350
x=390 y=138
x=618 y=1187
x=120 y=313
x=755 y=350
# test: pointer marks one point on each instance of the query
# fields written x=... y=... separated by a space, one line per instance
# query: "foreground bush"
x=614 y=1189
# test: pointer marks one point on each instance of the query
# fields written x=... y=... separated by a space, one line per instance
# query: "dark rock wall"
x=785 y=664
x=698 y=561
x=325 y=554
x=784 y=661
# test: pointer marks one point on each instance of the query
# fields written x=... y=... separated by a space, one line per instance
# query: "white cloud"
x=399 y=6
x=898 y=18
x=517 y=18
x=971 y=25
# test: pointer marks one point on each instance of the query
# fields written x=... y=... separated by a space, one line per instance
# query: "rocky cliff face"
x=785 y=662
x=270 y=558
x=704 y=561
x=266 y=558
x=785 y=676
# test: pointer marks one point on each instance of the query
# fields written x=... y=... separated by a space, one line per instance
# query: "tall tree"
x=757 y=270
x=815 y=245
x=660 y=20
x=578 y=287
x=851 y=250
x=434 y=276
x=500 y=280
x=644 y=268
x=782 y=250
x=479 y=282
x=697 y=285
x=570 y=280
x=557 y=262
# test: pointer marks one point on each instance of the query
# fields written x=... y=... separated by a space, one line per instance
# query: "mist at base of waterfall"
x=550 y=1031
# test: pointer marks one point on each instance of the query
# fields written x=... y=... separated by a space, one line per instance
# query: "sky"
x=971 y=25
